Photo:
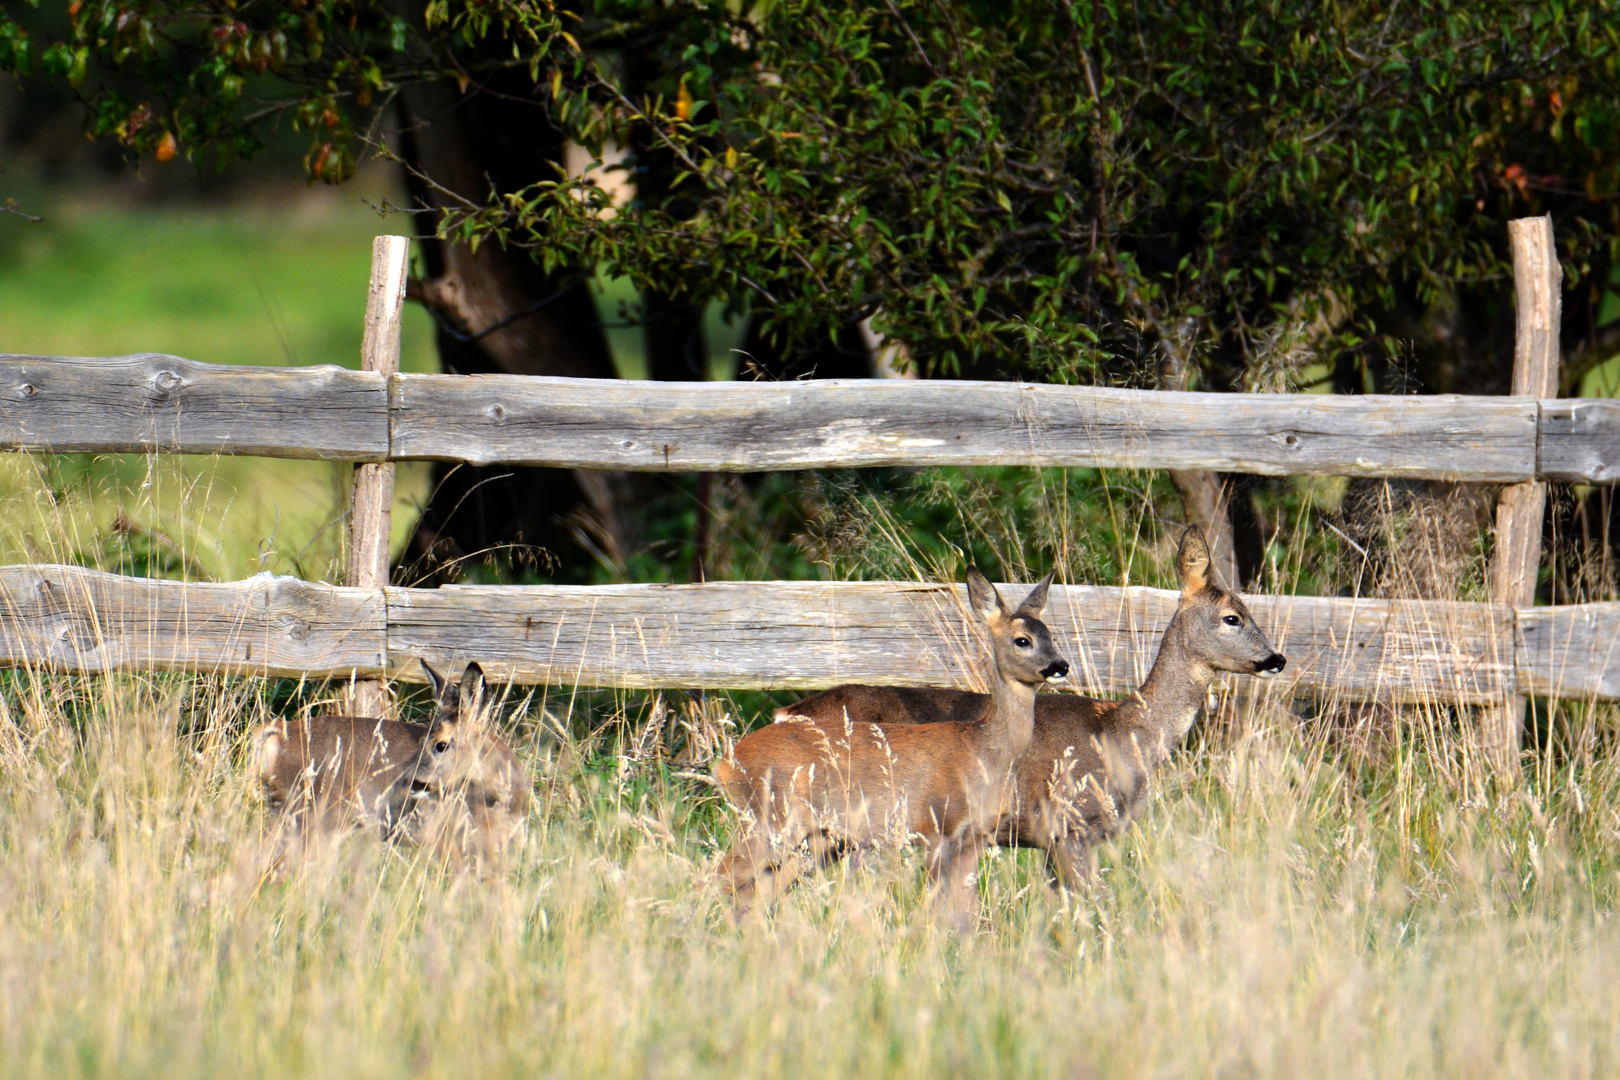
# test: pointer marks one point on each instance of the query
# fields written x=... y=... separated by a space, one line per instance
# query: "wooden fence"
x=782 y=634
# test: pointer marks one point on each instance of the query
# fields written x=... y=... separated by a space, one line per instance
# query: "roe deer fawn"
x=846 y=785
x=475 y=794
x=452 y=782
x=1088 y=767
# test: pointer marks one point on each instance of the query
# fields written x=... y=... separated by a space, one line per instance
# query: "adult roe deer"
x=1087 y=771
x=844 y=785
x=452 y=782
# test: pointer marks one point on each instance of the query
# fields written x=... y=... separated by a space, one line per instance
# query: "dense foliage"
x=1032 y=187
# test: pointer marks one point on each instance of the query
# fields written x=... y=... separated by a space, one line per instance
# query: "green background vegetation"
x=271 y=283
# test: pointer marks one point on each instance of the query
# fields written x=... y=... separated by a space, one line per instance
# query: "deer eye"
x=1021 y=642
x=1232 y=620
x=441 y=746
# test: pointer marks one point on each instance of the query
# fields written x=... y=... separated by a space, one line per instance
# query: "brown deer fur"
x=1089 y=764
x=451 y=782
x=846 y=785
x=478 y=795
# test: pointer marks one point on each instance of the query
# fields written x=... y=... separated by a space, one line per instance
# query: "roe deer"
x=1088 y=767
x=476 y=796
x=847 y=785
x=452 y=782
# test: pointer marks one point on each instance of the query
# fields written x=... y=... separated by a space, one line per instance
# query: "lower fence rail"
x=771 y=635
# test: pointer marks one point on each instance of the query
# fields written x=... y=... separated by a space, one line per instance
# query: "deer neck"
x=1010 y=726
x=1164 y=707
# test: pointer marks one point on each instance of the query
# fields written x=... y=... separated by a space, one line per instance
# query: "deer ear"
x=471 y=693
x=1192 y=560
x=1035 y=602
x=435 y=680
x=982 y=596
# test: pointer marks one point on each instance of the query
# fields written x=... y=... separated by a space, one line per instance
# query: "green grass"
x=276 y=283
x=272 y=283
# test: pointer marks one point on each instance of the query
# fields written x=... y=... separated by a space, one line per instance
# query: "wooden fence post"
x=370 y=508
x=1516 y=556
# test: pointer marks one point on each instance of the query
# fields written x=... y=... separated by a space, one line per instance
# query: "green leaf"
x=57 y=60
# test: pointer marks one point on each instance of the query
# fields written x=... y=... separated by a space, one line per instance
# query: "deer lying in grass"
x=452 y=783
x=848 y=785
x=1087 y=771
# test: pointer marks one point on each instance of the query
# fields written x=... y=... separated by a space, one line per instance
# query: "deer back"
x=1074 y=738
x=337 y=771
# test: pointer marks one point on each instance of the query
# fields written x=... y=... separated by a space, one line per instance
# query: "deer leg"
x=744 y=865
x=773 y=881
x=1073 y=862
x=953 y=867
x=1054 y=873
x=748 y=858
x=854 y=857
x=283 y=849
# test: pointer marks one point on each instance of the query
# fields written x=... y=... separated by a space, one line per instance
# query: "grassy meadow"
x=1320 y=888
x=1288 y=908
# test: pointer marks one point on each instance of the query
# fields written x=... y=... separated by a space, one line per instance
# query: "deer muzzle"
x=1056 y=672
x=1271 y=665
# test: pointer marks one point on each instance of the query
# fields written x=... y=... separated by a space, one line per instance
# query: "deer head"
x=1023 y=645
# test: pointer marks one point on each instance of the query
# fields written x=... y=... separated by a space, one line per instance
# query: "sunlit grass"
x=278 y=282
x=1276 y=914
x=1314 y=891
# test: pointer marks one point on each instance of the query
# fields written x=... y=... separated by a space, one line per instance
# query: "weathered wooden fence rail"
x=792 y=635
x=165 y=404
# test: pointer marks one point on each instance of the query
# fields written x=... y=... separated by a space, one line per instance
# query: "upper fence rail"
x=165 y=404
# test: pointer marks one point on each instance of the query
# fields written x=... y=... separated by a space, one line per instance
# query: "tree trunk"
x=498 y=313
x=1205 y=497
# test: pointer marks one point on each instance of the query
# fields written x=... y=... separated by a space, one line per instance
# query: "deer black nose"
x=1271 y=665
x=1056 y=672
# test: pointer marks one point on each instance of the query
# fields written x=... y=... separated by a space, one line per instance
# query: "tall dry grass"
x=1296 y=903
x=1277 y=914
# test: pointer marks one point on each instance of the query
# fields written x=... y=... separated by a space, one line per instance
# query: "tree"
x=1161 y=192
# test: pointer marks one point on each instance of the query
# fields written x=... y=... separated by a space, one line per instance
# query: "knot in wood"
x=77 y=637
x=27 y=390
x=497 y=412
x=166 y=382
